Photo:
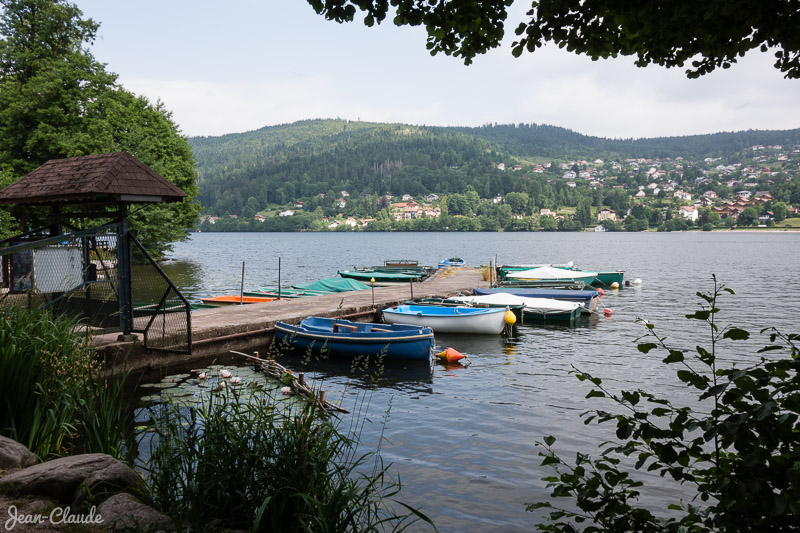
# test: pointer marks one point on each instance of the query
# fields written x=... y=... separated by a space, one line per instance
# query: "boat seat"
x=382 y=330
x=346 y=326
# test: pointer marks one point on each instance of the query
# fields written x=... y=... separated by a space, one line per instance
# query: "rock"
x=70 y=480
x=14 y=455
x=123 y=511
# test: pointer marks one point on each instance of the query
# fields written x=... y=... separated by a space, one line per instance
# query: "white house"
x=689 y=212
x=606 y=214
x=685 y=196
x=286 y=213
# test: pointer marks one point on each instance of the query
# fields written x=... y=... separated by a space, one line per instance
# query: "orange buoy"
x=602 y=292
x=451 y=355
x=607 y=312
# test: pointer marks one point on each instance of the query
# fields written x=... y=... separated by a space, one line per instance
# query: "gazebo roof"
x=115 y=177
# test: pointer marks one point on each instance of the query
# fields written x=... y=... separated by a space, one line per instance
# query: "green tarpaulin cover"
x=332 y=285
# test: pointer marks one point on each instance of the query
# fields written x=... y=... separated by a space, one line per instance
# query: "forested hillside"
x=299 y=161
x=313 y=161
x=554 y=142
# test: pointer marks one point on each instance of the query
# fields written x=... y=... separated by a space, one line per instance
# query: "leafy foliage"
x=57 y=101
x=711 y=35
x=52 y=396
x=739 y=447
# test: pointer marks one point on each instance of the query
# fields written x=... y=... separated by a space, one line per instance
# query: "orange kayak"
x=235 y=300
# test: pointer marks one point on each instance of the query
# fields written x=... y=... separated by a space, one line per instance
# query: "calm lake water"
x=462 y=439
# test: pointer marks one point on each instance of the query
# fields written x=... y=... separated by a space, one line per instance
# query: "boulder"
x=125 y=512
x=76 y=480
x=14 y=455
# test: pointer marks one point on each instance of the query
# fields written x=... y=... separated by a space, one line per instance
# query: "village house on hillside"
x=689 y=212
x=606 y=214
x=411 y=210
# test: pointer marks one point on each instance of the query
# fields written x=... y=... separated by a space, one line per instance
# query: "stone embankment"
x=94 y=490
x=251 y=327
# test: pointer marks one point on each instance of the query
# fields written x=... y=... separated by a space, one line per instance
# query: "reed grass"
x=254 y=464
x=51 y=396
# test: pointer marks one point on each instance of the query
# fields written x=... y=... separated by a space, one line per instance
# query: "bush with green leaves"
x=737 y=449
x=248 y=463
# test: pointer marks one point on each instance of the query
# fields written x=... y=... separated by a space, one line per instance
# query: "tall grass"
x=251 y=464
x=52 y=398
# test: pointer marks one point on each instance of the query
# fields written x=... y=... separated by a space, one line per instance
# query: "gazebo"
x=90 y=271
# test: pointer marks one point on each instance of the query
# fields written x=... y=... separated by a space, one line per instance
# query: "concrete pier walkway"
x=249 y=327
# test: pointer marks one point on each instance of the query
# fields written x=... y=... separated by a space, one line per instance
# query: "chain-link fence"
x=80 y=274
x=160 y=311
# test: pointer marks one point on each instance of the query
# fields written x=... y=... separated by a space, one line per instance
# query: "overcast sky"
x=238 y=65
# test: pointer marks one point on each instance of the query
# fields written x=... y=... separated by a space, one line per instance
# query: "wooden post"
x=301 y=377
x=322 y=397
x=241 y=288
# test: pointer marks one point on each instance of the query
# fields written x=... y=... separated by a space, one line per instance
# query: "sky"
x=238 y=65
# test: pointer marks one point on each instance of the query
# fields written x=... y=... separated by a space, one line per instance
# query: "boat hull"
x=380 y=277
x=488 y=321
x=533 y=309
x=342 y=338
x=236 y=300
x=587 y=298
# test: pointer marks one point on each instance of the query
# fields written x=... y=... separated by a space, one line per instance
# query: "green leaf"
x=549 y=440
x=736 y=334
x=675 y=356
x=646 y=346
x=594 y=393
x=700 y=315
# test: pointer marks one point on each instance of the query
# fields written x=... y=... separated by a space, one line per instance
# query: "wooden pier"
x=245 y=328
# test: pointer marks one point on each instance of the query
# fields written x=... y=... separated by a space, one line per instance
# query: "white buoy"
x=637 y=281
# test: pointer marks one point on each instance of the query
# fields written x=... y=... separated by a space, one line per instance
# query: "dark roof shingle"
x=102 y=177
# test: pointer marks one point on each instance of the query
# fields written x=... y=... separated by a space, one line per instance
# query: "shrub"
x=739 y=449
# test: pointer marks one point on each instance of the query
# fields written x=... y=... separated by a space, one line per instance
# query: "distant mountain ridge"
x=301 y=160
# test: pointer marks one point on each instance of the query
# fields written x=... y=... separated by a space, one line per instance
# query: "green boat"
x=600 y=279
x=534 y=309
x=380 y=277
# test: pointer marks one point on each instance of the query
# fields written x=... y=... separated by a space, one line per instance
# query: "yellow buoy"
x=615 y=285
x=511 y=319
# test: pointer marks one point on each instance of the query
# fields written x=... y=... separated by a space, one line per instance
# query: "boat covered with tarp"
x=587 y=298
x=538 y=309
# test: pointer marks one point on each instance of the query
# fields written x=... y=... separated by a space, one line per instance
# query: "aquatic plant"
x=737 y=448
x=52 y=397
x=249 y=463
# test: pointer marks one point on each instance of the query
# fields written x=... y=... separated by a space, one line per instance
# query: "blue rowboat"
x=342 y=338
x=452 y=262
x=587 y=298
x=445 y=319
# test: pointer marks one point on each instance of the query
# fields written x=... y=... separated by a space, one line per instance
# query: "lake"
x=462 y=439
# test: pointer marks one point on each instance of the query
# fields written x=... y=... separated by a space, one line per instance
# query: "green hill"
x=281 y=164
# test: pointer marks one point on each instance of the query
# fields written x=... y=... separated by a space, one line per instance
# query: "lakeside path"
x=250 y=327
